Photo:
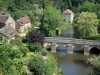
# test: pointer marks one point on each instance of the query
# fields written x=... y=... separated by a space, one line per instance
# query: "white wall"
x=69 y=17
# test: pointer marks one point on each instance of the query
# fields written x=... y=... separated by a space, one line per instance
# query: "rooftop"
x=67 y=12
x=24 y=20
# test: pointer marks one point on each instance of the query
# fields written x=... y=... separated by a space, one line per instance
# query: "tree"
x=53 y=20
x=87 y=7
x=86 y=24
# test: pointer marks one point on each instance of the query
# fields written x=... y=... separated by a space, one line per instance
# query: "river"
x=72 y=64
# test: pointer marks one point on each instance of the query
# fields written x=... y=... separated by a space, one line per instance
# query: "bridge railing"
x=72 y=40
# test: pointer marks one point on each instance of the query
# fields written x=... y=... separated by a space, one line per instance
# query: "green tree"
x=52 y=20
x=86 y=24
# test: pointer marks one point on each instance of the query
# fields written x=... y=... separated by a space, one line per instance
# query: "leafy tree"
x=53 y=20
x=87 y=7
x=86 y=24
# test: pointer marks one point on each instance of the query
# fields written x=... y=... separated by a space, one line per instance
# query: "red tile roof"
x=24 y=20
x=67 y=12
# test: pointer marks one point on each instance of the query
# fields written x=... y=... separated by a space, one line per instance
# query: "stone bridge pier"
x=70 y=48
x=86 y=49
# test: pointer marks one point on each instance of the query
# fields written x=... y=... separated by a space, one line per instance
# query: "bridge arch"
x=61 y=48
x=94 y=50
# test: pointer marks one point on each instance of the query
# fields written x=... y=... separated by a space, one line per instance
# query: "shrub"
x=95 y=65
x=35 y=36
x=35 y=47
x=8 y=53
x=19 y=43
x=15 y=51
x=37 y=65
x=44 y=52
x=51 y=64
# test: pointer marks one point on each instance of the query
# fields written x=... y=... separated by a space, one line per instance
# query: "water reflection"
x=72 y=64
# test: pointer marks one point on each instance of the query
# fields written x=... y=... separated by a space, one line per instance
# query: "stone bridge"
x=70 y=43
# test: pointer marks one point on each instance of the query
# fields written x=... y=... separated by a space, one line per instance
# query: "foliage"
x=44 y=52
x=8 y=53
x=95 y=65
x=51 y=64
x=35 y=36
x=37 y=65
x=52 y=20
x=86 y=24
x=35 y=47
x=19 y=43
x=59 y=72
x=93 y=37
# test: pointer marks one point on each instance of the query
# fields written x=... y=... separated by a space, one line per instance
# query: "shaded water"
x=72 y=64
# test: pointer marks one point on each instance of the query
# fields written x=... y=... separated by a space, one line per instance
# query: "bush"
x=95 y=65
x=51 y=64
x=19 y=43
x=37 y=65
x=35 y=36
x=44 y=52
x=8 y=53
x=35 y=47
x=15 y=52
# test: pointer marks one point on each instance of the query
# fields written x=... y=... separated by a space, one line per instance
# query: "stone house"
x=7 y=26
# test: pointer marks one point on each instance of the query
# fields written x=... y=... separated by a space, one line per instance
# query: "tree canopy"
x=86 y=24
x=53 y=20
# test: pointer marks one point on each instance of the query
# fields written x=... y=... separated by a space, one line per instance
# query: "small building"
x=23 y=24
x=7 y=25
x=68 y=15
x=67 y=32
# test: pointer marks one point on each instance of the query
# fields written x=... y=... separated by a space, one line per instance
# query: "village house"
x=68 y=15
x=7 y=26
x=23 y=24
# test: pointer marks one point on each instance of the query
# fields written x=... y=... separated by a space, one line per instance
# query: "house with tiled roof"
x=23 y=24
x=7 y=25
x=68 y=15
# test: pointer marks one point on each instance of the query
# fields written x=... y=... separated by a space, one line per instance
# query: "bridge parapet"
x=72 y=41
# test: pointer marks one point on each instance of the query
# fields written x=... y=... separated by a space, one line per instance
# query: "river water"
x=72 y=64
